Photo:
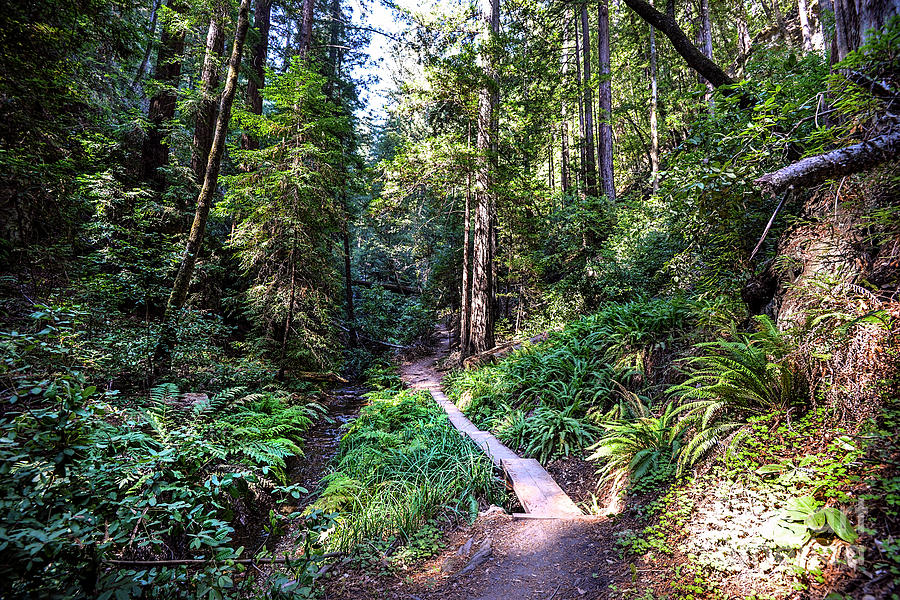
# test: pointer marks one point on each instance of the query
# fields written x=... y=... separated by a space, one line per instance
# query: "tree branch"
x=832 y=165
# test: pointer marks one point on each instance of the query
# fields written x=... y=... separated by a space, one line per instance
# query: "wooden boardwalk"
x=538 y=493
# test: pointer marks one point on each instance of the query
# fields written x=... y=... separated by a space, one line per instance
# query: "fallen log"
x=391 y=287
x=203 y=561
x=492 y=355
x=312 y=376
x=814 y=170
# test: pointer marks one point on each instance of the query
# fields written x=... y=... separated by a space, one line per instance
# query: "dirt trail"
x=530 y=559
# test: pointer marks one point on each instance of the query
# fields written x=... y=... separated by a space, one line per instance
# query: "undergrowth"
x=400 y=464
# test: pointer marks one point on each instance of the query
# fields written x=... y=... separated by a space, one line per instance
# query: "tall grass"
x=401 y=463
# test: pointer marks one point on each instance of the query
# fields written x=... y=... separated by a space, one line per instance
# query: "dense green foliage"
x=549 y=399
x=91 y=477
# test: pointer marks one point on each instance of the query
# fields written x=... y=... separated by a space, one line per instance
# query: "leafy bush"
x=735 y=380
x=400 y=464
x=89 y=479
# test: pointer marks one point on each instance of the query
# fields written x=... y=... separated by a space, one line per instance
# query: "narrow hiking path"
x=528 y=558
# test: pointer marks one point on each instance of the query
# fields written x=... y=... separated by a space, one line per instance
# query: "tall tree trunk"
x=306 y=27
x=782 y=25
x=578 y=95
x=564 y=113
x=465 y=317
x=654 y=125
x=335 y=31
x=162 y=105
x=826 y=15
x=743 y=38
x=590 y=166
x=289 y=318
x=211 y=178
x=806 y=31
x=853 y=19
x=564 y=158
x=151 y=36
x=262 y=20
x=551 y=172
x=605 y=135
x=348 y=280
x=209 y=81
x=706 y=37
x=482 y=325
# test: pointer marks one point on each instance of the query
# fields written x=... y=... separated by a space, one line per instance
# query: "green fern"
x=637 y=448
x=733 y=381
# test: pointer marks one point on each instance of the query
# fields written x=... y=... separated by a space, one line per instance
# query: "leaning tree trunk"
x=695 y=58
x=162 y=105
x=262 y=20
x=590 y=166
x=482 y=325
x=209 y=81
x=605 y=135
x=211 y=178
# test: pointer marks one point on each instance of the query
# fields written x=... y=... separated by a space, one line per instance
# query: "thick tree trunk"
x=706 y=37
x=162 y=105
x=805 y=30
x=654 y=125
x=262 y=20
x=694 y=57
x=209 y=81
x=605 y=134
x=211 y=178
x=482 y=325
x=854 y=19
x=306 y=27
x=590 y=166
x=833 y=165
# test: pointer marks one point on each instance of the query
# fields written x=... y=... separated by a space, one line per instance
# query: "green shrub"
x=88 y=478
x=557 y=432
